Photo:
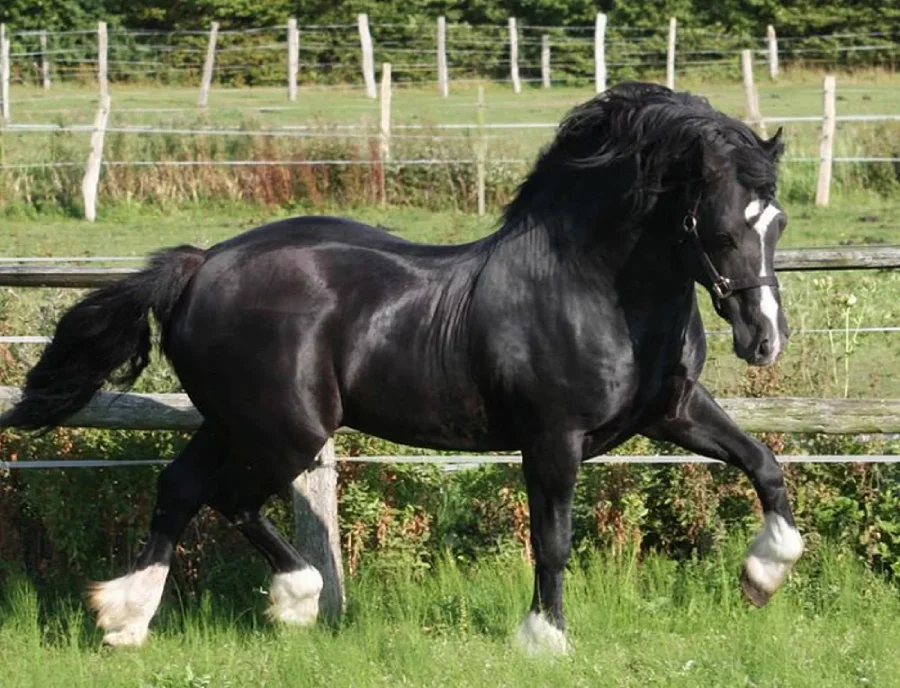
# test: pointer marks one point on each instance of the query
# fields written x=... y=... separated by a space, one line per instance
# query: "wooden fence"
x=16 y=274
x=315 y=501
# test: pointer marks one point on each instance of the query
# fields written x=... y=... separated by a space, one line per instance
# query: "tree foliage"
x=791 y=17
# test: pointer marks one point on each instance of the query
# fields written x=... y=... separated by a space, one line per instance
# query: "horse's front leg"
x=697 y=423
x=551 y=469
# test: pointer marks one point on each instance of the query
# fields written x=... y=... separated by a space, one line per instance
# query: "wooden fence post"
x=773 y=52
x=208 y=65
x=386 y=111
x=102 y=55
x=480 y=153
x=368 y=59
x=45 y=62
x=750 y=92
x=4 y=75
x=545 y=61
x=670 y=54
x=92 y=175
x=293 y=44
x=514 y=56
x=826 y=147
x=316 y=532
x=443 y=72
x=600 y=53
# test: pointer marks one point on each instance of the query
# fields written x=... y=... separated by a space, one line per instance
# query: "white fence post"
x=750 y=92
x=600 y=52
x=545 y=61
x=92 y=175
x=514 y=56
x=670 y=54
x=368 y=59
x=45 y=63
x=773 y=52
x=443 y=75
x=4 y=75
x=316 y=530
x=386 y=111
x=208 y=65
x=480 y=153
x=826 y=147
x=102 y=55
x=293 y=45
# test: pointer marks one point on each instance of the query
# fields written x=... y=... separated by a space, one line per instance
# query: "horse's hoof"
x=130 y=637
x=753 y=593
x=537 y=636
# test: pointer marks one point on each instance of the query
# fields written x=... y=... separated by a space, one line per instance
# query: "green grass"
x=657 y=623
x=136 y=229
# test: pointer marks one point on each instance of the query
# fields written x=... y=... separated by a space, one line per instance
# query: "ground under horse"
x=570 y=329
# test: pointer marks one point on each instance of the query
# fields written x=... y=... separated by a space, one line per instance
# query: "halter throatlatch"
x=722 y=287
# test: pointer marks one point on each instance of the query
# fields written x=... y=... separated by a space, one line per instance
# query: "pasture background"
x=429 y=553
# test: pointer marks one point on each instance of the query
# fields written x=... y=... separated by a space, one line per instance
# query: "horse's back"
x=309 y=318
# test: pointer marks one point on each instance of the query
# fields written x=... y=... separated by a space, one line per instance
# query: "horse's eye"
x=722 y=242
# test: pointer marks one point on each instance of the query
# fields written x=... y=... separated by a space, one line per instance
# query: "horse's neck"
x=641 y=259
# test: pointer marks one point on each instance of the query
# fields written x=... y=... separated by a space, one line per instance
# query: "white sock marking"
x=125 y=605
x=537 y=636
x=772 y=553
x=768 y=304
x=295 y=597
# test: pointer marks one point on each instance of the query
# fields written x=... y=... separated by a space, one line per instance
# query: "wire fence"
x=456 y=462
x=332 y=54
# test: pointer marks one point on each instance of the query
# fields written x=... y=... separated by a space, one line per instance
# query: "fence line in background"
x=368 y=58
x=208 y=65
x=459 y=40
x=293 y=57
x=670 y=54
x=4 y=75
x=826 y=149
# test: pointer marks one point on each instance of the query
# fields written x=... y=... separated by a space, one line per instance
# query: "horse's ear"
x=775 y=145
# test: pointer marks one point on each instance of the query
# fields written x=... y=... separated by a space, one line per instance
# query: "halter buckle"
x=690 y=223
x=722 y=287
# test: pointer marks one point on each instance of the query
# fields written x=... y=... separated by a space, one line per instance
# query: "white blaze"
x=768 y=304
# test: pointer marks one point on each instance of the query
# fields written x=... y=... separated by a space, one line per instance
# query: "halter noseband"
x=722 y=287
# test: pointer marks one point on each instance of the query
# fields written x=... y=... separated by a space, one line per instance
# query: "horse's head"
x=642 y=159
x=730 y=233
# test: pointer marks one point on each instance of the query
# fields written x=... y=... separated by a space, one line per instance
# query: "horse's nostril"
x=764 y=349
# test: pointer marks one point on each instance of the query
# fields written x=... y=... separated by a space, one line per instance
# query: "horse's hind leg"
x=296 y=584
x=125 y=605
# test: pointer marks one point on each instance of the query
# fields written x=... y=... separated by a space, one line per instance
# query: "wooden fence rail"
x=130 y=411
x=13 y=274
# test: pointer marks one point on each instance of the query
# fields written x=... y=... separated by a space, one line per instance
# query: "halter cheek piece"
x=722 y=287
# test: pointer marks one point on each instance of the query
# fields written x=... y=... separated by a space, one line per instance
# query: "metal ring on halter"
x=722 y=287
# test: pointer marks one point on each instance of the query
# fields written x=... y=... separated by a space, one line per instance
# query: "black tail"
x=108 y=330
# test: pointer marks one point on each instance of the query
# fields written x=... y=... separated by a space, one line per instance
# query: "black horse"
x=572 y=328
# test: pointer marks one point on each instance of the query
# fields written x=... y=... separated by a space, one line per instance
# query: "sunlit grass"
x=654 y=623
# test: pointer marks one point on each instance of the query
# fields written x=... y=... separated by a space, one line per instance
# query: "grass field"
x=256 y=109
x=653 y=624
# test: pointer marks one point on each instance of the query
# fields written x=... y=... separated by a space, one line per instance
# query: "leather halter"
x=722 y=287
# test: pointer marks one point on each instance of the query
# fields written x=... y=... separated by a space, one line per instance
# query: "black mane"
x=637 y=141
